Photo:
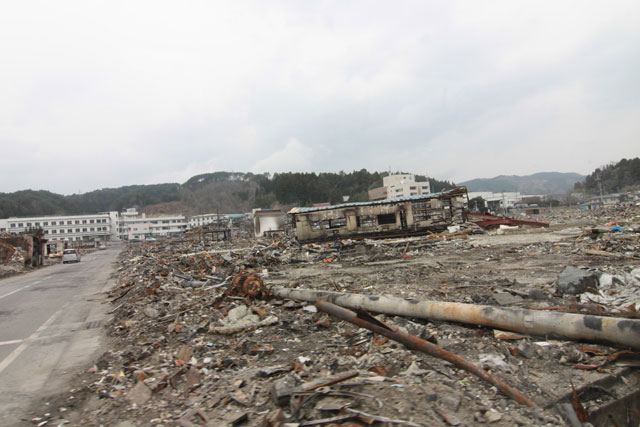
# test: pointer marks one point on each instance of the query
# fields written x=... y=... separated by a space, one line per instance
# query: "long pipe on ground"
x=414 y=343
x=577 y=327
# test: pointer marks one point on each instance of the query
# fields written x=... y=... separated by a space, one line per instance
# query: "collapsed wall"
x=18 y=252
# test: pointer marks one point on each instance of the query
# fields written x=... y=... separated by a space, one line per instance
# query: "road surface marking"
x=10 y=342
x=17 y=290
x=67 y=329
x=22 y=347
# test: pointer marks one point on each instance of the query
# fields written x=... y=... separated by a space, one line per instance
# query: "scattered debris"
x=202 y=334
x=364 y=320
x=488 y=221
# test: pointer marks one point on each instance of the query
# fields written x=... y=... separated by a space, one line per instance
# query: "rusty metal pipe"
x=578 y=327
x=418 y=344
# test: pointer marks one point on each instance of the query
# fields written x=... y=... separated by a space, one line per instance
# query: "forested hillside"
x=29 y=202
x=615 y=178
x=218 y=191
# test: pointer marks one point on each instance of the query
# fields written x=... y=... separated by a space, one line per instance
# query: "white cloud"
x=157 y=91
x=293 y=157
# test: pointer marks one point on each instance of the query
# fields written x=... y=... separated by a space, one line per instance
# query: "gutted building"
x=34 y=248
x=267 y=222
x=416 y=214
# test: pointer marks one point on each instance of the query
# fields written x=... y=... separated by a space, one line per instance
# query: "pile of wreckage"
x=19 y=252
x=457 y=327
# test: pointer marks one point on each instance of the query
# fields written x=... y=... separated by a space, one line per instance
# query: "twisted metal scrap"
x=364 y=320
x=249 y=284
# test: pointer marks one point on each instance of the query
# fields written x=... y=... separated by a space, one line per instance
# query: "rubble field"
x=197 y=338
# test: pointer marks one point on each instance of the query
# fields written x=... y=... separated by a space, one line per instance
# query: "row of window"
x=77 y=230
x=201 y=219
x=362 y=221
x=153 y=228
x=413 y=193
x=174 y=221
x=70 y=238
x=52 y=223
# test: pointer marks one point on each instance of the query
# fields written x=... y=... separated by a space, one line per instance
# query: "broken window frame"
x=333 y=223
x=366 y=221
x=421 y=211
x=385 y=219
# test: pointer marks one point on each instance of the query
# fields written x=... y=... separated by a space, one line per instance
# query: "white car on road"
x=70 y=255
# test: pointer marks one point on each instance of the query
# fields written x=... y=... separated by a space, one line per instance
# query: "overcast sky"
x=97 y=94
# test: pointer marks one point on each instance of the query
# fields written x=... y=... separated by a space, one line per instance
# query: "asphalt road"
x=50 y=327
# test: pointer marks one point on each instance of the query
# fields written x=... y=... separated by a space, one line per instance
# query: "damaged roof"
x=458 y=191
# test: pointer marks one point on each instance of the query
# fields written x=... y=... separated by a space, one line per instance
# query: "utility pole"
x=599 y=178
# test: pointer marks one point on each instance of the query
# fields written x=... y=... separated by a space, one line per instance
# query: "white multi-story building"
x=160 y=226
x=141 y=231
x=86 y=228
x=205 y=219
x=399 y=185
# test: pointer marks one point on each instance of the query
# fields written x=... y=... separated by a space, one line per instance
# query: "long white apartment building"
x=106 y=226
x=86 y=228
x=159 y=226
x=205 y=219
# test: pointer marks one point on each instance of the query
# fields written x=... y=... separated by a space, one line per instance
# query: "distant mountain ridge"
x=220 y=191
x=239 y=192
x=538 y=183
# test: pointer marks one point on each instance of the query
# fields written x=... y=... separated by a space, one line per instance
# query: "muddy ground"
x=187 y=348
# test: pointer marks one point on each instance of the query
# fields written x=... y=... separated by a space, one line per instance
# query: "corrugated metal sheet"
x=455 y=191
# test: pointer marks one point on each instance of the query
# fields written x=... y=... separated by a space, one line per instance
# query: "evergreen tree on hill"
x=614 y=178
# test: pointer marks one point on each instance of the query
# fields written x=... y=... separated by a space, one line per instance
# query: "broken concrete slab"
x=575 y=281
x=507 y=299
x=139 y=394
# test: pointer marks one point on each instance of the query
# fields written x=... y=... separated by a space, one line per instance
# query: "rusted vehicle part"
x=326 y=382
x=487 y=220
x=248 y=284
x=364 y=320
x=577 y=327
